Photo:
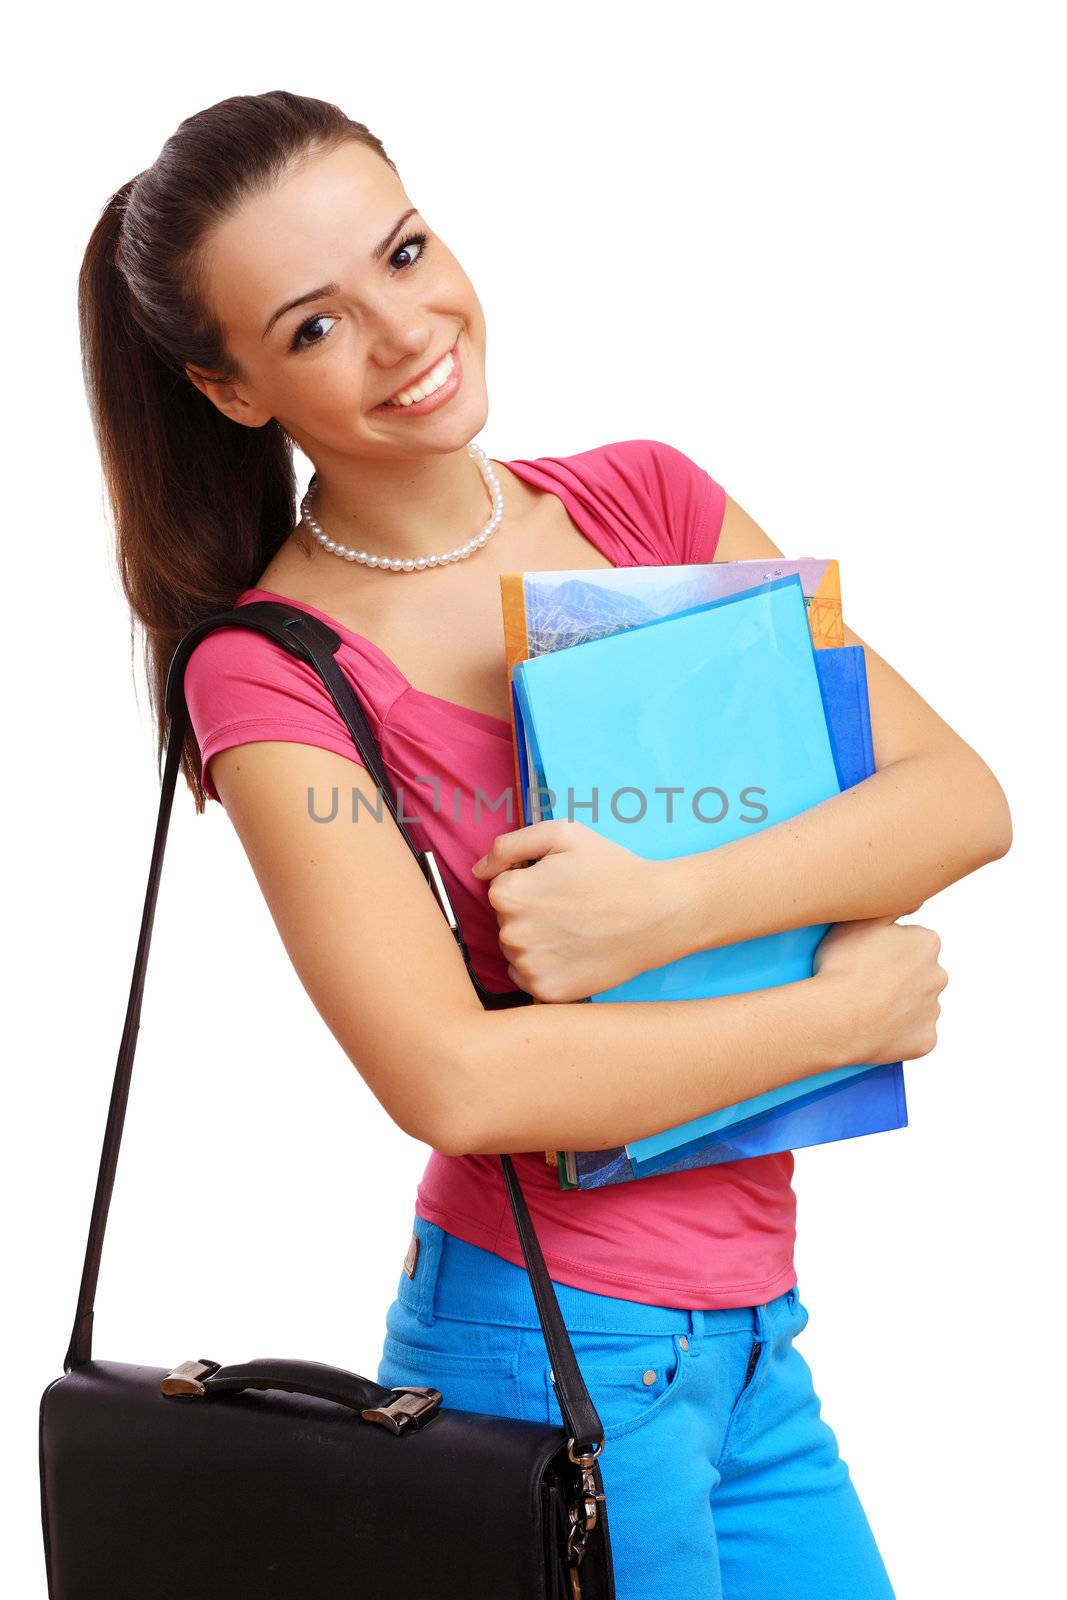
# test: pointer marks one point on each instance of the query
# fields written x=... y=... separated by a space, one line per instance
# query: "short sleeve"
x=241 y=687
x=695 y=503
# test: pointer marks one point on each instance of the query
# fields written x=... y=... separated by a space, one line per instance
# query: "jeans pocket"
x=469 y=1379
x=631 y=1377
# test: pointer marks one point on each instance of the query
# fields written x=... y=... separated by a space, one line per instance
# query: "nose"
x=399 y=338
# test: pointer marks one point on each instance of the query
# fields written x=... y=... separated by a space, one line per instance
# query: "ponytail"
x=200 y=503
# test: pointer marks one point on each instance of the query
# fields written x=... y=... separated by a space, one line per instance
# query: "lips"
x=441 y=396
x=417 y=379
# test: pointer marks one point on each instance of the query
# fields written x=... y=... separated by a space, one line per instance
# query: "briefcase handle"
x=312 y=640
x=403 y=1408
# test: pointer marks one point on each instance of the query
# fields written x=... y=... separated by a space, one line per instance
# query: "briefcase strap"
x=312 y=640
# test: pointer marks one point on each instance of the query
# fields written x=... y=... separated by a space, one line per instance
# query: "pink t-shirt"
x=711 y=1237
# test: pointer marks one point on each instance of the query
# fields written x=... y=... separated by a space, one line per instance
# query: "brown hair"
x=199 y=503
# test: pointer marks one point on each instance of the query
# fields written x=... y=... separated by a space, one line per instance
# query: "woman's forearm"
x=878 y=849
x=583 y=1076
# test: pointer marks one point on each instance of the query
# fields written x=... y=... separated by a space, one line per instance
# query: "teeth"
x=429 y=384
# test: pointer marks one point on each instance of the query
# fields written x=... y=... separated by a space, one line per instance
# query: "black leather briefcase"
x=280 y=1479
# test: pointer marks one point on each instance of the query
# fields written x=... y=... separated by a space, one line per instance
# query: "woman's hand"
x=584 y=917
x=891 y=975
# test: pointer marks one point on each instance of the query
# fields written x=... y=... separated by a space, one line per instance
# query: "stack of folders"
x=672 y=722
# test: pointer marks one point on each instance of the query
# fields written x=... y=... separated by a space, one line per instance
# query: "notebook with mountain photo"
x=550 y=610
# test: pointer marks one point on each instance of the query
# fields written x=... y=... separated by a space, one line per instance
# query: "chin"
x=466 y=423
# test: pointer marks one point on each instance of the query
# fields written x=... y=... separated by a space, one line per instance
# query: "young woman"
x=268 y=281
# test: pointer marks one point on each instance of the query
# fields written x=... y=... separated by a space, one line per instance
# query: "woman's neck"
x=402 y=509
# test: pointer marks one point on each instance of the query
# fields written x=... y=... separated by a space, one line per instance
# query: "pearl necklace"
x=416 y=564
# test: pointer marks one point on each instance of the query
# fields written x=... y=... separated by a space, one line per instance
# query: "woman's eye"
x=405 y=245
x=311 y=323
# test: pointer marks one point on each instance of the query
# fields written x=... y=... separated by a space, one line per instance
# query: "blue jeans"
x=722 y=1480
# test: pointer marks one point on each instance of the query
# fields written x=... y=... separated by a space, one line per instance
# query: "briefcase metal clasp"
x=185 y=1379
x=412 y=1407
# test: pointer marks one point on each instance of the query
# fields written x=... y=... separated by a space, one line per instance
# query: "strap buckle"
x=583 y=1511
x=585 y=1457
x=412 y=1408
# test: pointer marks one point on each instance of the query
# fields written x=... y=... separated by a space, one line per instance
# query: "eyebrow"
x=325 y=289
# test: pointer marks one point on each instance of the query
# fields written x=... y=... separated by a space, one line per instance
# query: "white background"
x=817 y=248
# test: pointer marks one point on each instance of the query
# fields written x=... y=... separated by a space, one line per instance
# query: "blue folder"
x=732 y=700
x=874 y=1101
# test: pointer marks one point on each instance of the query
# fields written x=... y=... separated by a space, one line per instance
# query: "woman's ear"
x=222 y=393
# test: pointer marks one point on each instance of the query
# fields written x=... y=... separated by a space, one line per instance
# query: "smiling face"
x=382 y=299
